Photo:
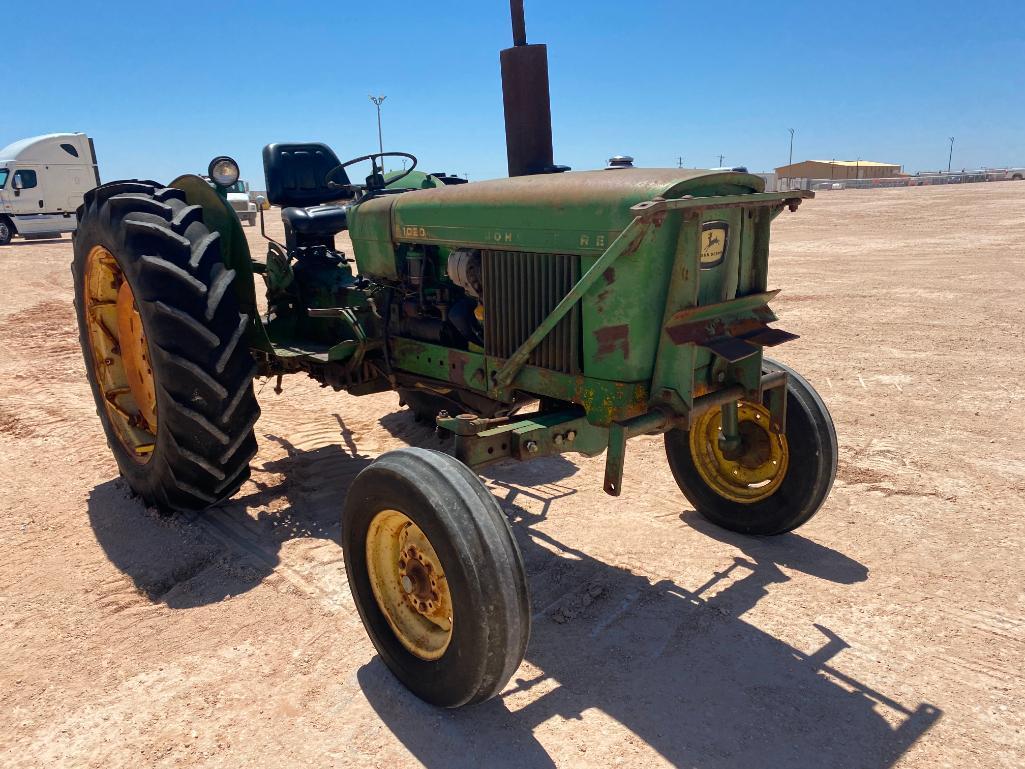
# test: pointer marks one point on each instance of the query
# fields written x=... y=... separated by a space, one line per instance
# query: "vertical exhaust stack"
x=528 y=109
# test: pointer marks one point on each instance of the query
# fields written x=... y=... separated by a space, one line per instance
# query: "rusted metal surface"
x=613 y=338
x=577 y=212
x=792 y=199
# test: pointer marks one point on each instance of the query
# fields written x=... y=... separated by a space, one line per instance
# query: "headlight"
x=224 y=171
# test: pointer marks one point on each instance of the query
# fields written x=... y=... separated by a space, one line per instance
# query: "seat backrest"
x=296 y=174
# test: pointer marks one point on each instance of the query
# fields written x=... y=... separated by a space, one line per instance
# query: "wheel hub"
x=135 y=354
x=120 y=354
x=409 y=584
x=751 y=471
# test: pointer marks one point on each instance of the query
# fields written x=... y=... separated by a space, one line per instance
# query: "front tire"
x=164 y=345
x=6 y=231
x=807 y=453
x=436 y=575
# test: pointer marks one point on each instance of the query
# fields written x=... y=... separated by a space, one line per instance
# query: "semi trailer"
x=43 y=180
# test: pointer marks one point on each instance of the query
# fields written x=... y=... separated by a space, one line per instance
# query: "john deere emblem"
x=713 y=243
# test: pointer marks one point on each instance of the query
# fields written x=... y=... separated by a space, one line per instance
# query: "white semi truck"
x=42 y=181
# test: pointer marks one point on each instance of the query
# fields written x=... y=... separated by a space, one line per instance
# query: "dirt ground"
x=888 y=631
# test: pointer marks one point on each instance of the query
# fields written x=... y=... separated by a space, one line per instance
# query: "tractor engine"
x=439 y=298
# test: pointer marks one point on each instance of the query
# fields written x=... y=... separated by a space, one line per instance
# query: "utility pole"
x=380 y=142
x=679 y=161
x=950 y=156
x=721 y=157
x=791 y=161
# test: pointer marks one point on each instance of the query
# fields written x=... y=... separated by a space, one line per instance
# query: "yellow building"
x=838 y=169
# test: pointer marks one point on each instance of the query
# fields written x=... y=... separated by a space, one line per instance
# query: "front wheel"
x=775 y=481
x=6 y=231
x=436 y=576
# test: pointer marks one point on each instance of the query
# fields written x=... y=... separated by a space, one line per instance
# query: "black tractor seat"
x=297 y=180
x=316 y=221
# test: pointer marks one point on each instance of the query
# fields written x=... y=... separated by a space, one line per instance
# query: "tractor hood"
x=578 y=212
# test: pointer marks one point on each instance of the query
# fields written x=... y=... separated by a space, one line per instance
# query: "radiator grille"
x=520 y=290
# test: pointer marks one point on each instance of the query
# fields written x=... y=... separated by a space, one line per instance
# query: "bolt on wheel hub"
x=409 y=584
x=752 y=470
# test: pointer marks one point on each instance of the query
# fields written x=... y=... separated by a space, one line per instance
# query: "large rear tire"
x=164 y=345
x=782 y=500
x=436 y=575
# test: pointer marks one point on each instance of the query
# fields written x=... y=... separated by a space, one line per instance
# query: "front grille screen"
x=520 y=290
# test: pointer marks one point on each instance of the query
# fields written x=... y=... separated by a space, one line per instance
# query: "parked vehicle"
x=544 y=314
x=42 y=183
x=239 y=199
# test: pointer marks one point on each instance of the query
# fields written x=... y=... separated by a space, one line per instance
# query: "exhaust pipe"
x=528 y=109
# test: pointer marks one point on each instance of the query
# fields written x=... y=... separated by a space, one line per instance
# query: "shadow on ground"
x=35 y=241
x=679 y=668
x=192 y=559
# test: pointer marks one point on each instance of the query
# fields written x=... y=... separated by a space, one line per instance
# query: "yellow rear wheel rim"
x=409 y=584
x=120 y=354
x=755 y=470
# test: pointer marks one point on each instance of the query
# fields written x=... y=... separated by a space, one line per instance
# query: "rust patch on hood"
x=612 y=338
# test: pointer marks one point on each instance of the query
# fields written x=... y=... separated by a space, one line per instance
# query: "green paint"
x=649 y=304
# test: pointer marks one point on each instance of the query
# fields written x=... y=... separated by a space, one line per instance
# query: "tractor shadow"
x=678 y=668
x=187 y=560
x=37 y=241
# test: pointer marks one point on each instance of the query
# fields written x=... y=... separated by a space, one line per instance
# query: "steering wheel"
x=372 y=158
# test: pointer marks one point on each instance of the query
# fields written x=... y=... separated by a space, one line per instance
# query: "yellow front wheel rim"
x=409 y=584
x=755 y=470
x=120 y=354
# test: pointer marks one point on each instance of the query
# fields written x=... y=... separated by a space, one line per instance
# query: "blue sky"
x=163 y=87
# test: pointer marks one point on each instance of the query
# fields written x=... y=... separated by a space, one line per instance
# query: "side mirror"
x=16 y=183
x=260 y=200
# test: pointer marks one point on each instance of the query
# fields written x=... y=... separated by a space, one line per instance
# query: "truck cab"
x=240 y=199
x=42 y=183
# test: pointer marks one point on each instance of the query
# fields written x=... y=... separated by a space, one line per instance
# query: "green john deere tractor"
x=547 y=313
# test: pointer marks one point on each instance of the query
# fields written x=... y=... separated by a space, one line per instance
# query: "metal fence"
x=919 y=180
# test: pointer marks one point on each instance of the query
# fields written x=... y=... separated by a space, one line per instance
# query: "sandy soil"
x=890 y=630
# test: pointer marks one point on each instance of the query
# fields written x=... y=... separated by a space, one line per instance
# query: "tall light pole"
x=380 y=142
x=721 y=157
x=950 y=156
x=791 y=161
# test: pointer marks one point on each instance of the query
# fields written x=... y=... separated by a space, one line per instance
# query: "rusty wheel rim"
x=120 y=354
x=752 y=473
x=409 y=584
